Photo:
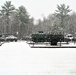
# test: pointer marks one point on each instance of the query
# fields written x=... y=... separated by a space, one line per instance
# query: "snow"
x=17 y=58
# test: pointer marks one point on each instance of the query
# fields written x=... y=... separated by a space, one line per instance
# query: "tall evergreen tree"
x=62 y=12
x=23 y=20
x=7 y=9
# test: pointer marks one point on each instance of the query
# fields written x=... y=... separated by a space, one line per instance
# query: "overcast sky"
x=40 y=8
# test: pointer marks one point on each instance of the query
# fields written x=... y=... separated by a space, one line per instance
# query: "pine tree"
x=62 y=12
x=7 y=8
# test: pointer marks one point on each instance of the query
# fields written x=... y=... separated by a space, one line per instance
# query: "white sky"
x=38 y=8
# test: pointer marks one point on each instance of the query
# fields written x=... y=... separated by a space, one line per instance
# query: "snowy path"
x=17 y=58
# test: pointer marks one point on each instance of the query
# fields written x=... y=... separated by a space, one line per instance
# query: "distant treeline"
x=17 y=21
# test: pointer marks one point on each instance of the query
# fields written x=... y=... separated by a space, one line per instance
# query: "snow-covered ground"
x=17 y=58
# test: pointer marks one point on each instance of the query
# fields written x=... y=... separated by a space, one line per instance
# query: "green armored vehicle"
x=52 y=38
